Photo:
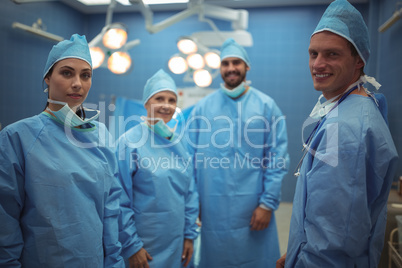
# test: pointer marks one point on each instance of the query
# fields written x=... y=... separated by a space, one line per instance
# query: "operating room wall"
x=389 y=71
x=279 y=61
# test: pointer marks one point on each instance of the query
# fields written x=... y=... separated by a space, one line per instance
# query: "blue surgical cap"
x=346 y=21
x=232 y=49
x=160 y=81
x=76 y=47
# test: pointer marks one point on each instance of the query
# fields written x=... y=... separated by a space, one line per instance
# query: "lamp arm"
x=396 y=16
x=238 y=17
x=109 y=13
x=154 y=28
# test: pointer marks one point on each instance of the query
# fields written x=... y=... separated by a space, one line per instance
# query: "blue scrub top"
x=59 y=201
x=240 y=154
x=160 y=202
x=340 y=204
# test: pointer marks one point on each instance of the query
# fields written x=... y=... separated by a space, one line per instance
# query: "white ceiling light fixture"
x=200 y=63
x=109 y=49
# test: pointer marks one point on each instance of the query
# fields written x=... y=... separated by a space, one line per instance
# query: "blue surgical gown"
x=159 y=188
x=59 y=196
x=340 y=204
x=240 y=154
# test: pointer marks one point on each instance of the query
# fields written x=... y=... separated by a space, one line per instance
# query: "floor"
x=282 y=222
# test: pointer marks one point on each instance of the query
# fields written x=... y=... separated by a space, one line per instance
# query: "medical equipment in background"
x=38 y=28
x=199 y=61
x=109 y=49
x=396 y=16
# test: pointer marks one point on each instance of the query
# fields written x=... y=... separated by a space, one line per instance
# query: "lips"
x=232 y=74
x=75 y=96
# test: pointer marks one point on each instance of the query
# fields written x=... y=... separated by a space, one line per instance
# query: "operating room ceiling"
x=226 y=3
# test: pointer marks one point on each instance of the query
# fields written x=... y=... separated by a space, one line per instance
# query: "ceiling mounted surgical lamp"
x=200 y=62
x=238 y=18
x=109 y=49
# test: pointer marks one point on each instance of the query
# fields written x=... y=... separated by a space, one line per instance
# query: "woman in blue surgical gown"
x=59 y=195
x=156 y=174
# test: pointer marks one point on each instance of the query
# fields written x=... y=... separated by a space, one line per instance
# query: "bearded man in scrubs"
x=238 y=139
x=340 y=204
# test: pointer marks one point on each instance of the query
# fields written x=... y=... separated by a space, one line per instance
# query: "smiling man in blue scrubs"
x=239 y=142
x=339 y=209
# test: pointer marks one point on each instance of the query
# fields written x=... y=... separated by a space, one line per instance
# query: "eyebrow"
x=71 y=68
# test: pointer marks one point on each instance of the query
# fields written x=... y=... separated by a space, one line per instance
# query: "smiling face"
x=233 y=72
x=332 y=65
x=161 y=105
x=69 y=81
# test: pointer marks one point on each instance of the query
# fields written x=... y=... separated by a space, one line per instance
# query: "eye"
x=86 y=75
x=236 y=62
x=313 y=54
x=172 y=100
x=224 y=63
x=66 y=73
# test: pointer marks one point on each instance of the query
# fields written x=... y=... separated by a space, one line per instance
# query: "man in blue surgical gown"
x=339 y=208
x=238 y=139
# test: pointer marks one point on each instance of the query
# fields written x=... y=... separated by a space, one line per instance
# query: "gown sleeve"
x=11 y=198
x=192 y=210
x=128 y=236
x=112 y=246
x=276 y=159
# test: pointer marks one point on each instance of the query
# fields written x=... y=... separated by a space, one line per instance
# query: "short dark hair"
x=354 y=53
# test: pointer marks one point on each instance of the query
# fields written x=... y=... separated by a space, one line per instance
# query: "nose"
x=230 y=66
x=319 y=62
x=76 y=82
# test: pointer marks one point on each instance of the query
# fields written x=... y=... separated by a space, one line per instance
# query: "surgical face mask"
x=322 y=109
x=236 y=92
x=160 y=127
x=68 y=116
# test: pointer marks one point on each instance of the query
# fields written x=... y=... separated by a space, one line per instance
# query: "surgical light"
x=115 y=37
x=212 y=60
x=97 y=55
x=119 y=62
x=187 y=46
x=177 y=65
x=202 y=78
x=195 y=61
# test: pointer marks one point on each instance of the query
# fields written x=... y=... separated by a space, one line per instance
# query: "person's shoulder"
x=133 y=135
x=207 y=100
x=261 y=95
x=30 y=124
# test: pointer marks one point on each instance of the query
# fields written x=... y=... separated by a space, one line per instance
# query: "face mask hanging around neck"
x=322 y=109
x=68 y=116
x=235 y=92
x=160 y=127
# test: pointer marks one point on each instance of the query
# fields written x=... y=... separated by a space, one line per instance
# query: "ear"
x=47 y=80
x=359 y=63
